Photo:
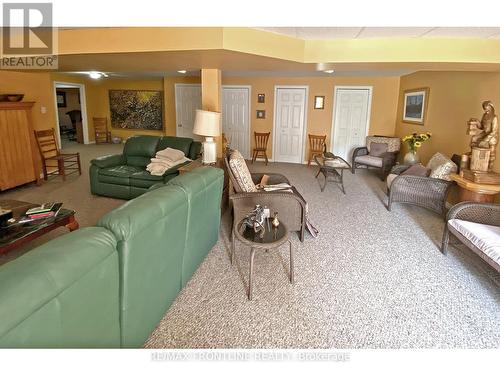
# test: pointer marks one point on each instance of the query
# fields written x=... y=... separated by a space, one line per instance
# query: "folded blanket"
x=170 y=154
x=158 y=167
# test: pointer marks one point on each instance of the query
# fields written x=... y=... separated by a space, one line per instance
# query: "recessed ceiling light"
x=97 y=75
x=182 y=71
x=329 y=71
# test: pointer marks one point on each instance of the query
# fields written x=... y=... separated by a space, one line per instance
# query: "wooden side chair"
x=54 y=162
x=317 y=145
x=102 y=134
x=260 y=148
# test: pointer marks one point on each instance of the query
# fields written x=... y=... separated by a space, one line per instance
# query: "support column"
x=211 y=97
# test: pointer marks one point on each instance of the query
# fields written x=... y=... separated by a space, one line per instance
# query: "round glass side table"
x=272 y=239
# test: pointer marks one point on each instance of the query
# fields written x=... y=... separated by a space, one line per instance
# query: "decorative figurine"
x=255 y=220
x=484 y=139
x=276 y=222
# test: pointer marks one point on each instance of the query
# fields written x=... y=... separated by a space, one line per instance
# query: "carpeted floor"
x=372 y=279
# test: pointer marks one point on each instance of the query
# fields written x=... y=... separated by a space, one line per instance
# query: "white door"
x=351 y=117
x=290 y=119
x=235 y=118
x=187 y=101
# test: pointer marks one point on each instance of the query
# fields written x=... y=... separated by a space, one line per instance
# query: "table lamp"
x=207 y=124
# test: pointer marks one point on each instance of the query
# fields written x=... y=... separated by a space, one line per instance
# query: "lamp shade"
x=207 y=123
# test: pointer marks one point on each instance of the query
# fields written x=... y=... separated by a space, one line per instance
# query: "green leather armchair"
x=124 y=176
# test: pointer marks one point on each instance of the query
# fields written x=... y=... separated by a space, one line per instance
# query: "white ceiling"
x=315 y=33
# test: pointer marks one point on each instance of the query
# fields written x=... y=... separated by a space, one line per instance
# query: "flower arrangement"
x=415 y=140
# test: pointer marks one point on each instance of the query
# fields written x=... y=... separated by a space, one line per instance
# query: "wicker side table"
x=331 y=167
x=271 y=240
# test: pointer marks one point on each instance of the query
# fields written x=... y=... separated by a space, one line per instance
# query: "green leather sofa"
x=110 y=285
x=124 y=175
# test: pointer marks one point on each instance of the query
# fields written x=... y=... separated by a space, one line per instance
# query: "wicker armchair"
x=290 y=206
x=361 y=157
x=481 y=213
x=426 y=192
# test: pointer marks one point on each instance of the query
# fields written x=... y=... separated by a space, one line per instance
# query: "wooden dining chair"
x=316 y=146
x=53 y=161
x=260 y=148
x=102 y=135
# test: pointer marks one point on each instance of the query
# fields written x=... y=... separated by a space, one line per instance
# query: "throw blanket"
x=164 y=160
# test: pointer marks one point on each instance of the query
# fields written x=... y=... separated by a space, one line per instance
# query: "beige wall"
x=454 y=98
x=319 y=121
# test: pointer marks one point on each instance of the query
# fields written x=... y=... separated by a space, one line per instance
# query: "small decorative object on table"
x=255 y=220
x=414 y=143
x=276 y=222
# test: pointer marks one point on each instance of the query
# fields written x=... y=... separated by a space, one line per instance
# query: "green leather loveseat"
x=110 y=285
x=124 y=175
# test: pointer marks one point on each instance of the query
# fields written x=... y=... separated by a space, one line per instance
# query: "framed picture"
x=261 y=98
x=415 y=105
x=61 y=99
x=136 y=109
x=319 y=102
x=261 y=114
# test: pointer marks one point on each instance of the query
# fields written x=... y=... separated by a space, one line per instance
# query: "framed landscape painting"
x=136 y=109
x=415 y=105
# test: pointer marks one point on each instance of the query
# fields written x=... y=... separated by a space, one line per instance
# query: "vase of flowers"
x=414 y=141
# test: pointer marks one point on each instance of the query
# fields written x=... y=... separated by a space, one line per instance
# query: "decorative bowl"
x=15 y=97
x=3 y=97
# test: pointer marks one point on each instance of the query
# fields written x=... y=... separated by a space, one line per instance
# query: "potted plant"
x=414 y=141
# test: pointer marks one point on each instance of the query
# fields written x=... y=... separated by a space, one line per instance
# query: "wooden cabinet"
x=18 y=151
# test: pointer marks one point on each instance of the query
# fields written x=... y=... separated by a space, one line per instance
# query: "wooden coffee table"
x=17 y=235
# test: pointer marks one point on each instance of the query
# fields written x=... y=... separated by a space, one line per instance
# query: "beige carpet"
x=372 y=279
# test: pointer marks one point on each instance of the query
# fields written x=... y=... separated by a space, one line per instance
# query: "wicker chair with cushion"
x=429 y=191
x=476 y=225
x=379 y=153
x=244 y=195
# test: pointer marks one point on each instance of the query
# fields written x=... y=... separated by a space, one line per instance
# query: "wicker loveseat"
x=476 y=225
x=363 y=157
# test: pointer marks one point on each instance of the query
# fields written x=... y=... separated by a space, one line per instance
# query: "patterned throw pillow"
x=441 y=167
x=241 y=173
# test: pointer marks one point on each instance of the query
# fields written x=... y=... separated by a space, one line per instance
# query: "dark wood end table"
x=16 y=235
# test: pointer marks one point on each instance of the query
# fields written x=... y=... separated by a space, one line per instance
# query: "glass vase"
x=411 y=158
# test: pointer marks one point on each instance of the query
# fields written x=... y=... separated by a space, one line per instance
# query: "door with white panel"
x=289 y=124
x=235 y=118
x=351 y=117
x=187 y=101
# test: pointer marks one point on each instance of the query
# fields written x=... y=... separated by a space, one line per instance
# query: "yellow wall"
x=319 y=121
x=454 y=98
x=36 y=87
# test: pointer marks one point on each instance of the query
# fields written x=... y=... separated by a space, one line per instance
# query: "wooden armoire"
x=18 y=151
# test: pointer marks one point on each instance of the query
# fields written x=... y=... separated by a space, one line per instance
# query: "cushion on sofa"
x=139 y=150
x=119 y=175
x=390 y=178
x=441 y=167
x=484 y=237
x=179 y=143
x=378 y=149
x=417 y=170
x=372 y=161
x=393 y=143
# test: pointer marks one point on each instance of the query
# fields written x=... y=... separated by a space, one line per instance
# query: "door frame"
x=83 y=108
x=334 y=108
x=304 y=131
x=249 y=88
x=176 y=100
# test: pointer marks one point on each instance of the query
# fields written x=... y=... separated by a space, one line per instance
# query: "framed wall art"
x=136 y=109
x=415 y=105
